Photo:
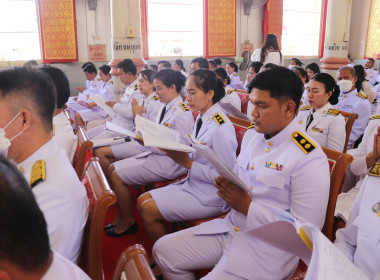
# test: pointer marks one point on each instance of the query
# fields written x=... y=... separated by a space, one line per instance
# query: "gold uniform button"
x=267 y=150
x=250 y=188
x=237 y=228
x=251 y=167
x=21 y=169
x=270 y=143
x=208 y=118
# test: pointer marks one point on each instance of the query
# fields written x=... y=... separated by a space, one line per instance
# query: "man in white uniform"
x=24 y=242
x=278 y=163
x=27 y=103
x=372 y=73
x=352 y=101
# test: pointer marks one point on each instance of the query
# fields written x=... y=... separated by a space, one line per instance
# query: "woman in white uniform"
x=301 y=73
x=232 y=71
x=178 y=66
x=194 y=197
x=149 y=109
x=270 y=52
x=106 y=91
x=230 y=96
x=152 y=165
x=320 y=120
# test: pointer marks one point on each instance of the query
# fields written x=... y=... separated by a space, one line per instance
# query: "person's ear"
x=290 y=108
x=26 y=118
x=210 y=94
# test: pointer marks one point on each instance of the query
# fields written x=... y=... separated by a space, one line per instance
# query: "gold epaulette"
x=375 y=170
x=99 y=79
x=219 y=119
x=38 y=173
x=155 y=97
x=251 y=125
x=305 y=144
x=305 y=108
x=361 y=95
x=111 y=82
x=136 y=87
x=333 y=112
x=375 y=117
x=229 y=91
x=184 y=107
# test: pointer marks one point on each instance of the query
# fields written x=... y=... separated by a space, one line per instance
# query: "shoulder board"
x=361 y=95
x=184 y=107
x=136 y=87
x=375 y=170
x=99 y=79
x=219 y=119
x=155 y=97
x=305 y=108
x=111 y=82
x=38 y=173
x=375 y=117
x=229 y=91
x=333 y=112
x=251 y=125
x=305 y=144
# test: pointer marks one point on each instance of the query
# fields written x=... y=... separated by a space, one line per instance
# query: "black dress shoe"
x=132 y=229
x=109 y=226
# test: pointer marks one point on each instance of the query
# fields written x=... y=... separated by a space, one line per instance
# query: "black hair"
x=268 y=66
x=212 y=63
x=206 y=80
x=90 y=68
x=180 y=63
x=221 y=72
x=281 y=83
x=360 y=73
x=24 y=239
x=256 y=66
x=217 y=61
x=373 y=60
x=154 y=66
x=165 y=63
x=87 y=63
x=329 y=82
x=128 y=66
x=301 y=72
x=313 y=67
x=171 y=77
x=297 y=61
x=351 y=69
x=61 y=83
x=270 y=44
x=233 y=65
x=202 y=62
x=105 y=69
x=33 y=89
x=148 y=75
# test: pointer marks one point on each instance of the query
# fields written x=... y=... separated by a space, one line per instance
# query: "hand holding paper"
x=182 y=158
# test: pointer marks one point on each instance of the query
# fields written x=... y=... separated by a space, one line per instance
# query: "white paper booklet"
x=83 y=97
x=306 y=241
x=219 y=166
x=109 y=141
x=231 y=109
x=153 y=135
x=101 y=102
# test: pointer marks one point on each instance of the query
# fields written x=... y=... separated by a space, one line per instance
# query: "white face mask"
x=345 y=85
x=4 y=141
x=291 y=66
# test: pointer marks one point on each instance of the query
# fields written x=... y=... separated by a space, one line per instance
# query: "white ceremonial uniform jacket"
x=235 y=81
x=305 y=101
x=231 y=97
x=64 y=136
x=327 y=127
x=217 y=133
x=62 y=199
x=63 y=269
x=372 y=74
x=281 y=175
x=354 y=102
x=94 y=86
x=359 y=240
x=124 y=113
x=151 y=107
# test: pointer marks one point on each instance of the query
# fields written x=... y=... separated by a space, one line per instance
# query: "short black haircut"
x=212 y=63
x=105 y=69
x=301 y=73
x=171 y=77
x=202 y=62
x=282 y=84
x=222 y=73
x=31 y=89
x=313 y=67
x=165 y=63
x=154 y=67
x=256 y=66
x=24 y=239
x=206 y=80
x=148 y=75
x=90 y=68
x=128 y=66
x=297 y=61
x=218 y=61
x=373 y=60
x=87 y=63
x=61 y=83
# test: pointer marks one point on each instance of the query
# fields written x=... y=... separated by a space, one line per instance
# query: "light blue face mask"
x=4 y=141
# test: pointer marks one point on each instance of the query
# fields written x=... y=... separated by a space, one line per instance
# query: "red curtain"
x=58 y=31
x=272 y=22
x=144 y=28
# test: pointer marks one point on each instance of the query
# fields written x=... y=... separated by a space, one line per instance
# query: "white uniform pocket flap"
x=368 y=227
x=271 y=178
x=242 y=161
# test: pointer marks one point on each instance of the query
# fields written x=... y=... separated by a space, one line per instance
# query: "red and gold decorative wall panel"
x=372 y=48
